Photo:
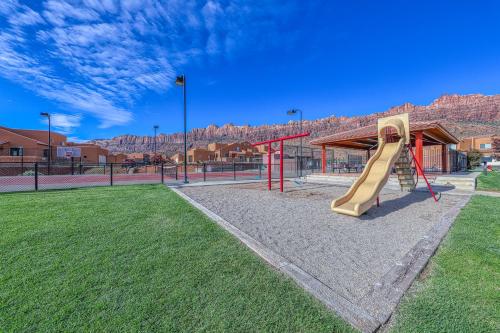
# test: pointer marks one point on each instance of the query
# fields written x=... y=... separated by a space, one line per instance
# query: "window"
x=190 y=159
x=45 y=153
x=485 y=146
x=16 y=151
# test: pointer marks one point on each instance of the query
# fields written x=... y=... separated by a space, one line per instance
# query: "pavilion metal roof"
x=366 y=137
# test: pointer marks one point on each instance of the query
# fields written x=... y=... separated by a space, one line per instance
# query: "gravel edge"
x=374 y=311
x=350 y=312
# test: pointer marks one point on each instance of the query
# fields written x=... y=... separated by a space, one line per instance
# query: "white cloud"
x=77 y=139
x=97 y=57
x=65 y=123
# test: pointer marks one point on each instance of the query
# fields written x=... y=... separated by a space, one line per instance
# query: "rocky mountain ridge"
x=463 y=115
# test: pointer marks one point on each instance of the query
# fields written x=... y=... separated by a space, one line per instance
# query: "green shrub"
x=474 y=159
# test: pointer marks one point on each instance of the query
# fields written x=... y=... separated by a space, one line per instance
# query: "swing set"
x=269 y=160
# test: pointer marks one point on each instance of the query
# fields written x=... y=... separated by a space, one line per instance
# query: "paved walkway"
x=488 y=193
x=365 y=264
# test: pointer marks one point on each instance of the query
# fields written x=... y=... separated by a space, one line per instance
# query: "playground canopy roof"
x=366 y=137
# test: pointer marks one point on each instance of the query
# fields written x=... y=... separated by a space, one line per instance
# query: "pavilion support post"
x=419 y=150
x=281 y=166
x=323 y=159
x=367 y=155
x=269 y=167
x=444 y=158
x=333 y=160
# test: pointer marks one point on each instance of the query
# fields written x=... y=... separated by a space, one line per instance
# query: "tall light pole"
x=181 y=81
x=46 y=114
x=155 y=127
x=293 y=112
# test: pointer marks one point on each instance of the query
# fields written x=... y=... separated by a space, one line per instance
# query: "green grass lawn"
x=137 y=258
x=459 y=291
x=489 y=182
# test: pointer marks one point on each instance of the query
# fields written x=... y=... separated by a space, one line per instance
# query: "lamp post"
x=46 y=114
x=155 y=127
x=293 y=112
x=181 y=81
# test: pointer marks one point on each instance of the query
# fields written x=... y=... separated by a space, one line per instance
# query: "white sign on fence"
x=69 y=152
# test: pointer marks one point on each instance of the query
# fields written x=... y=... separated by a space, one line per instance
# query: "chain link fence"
x=38 y=176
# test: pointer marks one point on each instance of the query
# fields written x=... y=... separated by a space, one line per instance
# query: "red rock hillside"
x=463 y=115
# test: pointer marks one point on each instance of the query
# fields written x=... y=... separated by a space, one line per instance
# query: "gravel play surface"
x=347 y=254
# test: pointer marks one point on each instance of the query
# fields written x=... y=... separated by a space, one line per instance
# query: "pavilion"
x=430 y=133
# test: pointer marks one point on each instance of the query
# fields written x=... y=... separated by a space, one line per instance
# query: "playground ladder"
x=404 y=171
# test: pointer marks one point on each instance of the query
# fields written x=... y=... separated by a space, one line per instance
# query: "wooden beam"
x=426 y=133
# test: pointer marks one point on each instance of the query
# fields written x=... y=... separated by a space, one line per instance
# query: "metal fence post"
x=260 y=170
x=162 y=172
x=234 y=170
x=297 y=161
x=110 y=173
x=176 y=172
x=204 y=172
x=72 y=168
x=36 y=176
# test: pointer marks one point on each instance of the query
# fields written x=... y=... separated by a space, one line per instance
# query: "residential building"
x=178 y=158
x=223 y=152
x=238 y=152
x=200 y=155
x=92 y=153
x=21 y=145
x=28 y=146
x=139 y=157
x=117 y=158
x=483 y=144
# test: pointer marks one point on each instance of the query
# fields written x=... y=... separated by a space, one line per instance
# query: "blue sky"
x=105 y=67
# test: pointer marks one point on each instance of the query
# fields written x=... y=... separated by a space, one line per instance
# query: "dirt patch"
x=426 y=272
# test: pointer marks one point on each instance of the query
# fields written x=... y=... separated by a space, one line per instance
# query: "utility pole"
x=46 y=114
x=155 y=127
x=181 y=81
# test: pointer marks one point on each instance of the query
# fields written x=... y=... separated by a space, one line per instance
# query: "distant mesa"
x=463 y=115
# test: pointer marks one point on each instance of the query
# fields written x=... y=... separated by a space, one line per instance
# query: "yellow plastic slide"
x=366 y=188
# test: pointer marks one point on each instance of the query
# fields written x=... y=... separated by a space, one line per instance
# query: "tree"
x=157 y=159
x=495 y=145
x=474 y=158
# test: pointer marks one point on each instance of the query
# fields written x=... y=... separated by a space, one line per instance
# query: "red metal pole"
x=281 y=139
x=269 y=166
x=419 y=169
x=419 y=150
x=281 y=166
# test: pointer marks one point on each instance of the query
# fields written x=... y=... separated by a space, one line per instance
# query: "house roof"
x=365 y=137
x=11 y=132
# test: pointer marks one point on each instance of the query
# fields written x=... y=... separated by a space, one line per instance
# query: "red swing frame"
x=269 y=165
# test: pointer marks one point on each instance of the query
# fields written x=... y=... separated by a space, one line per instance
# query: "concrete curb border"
x=352 y=313
x=374 y=309
x=386 y=294
x=215 y=182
